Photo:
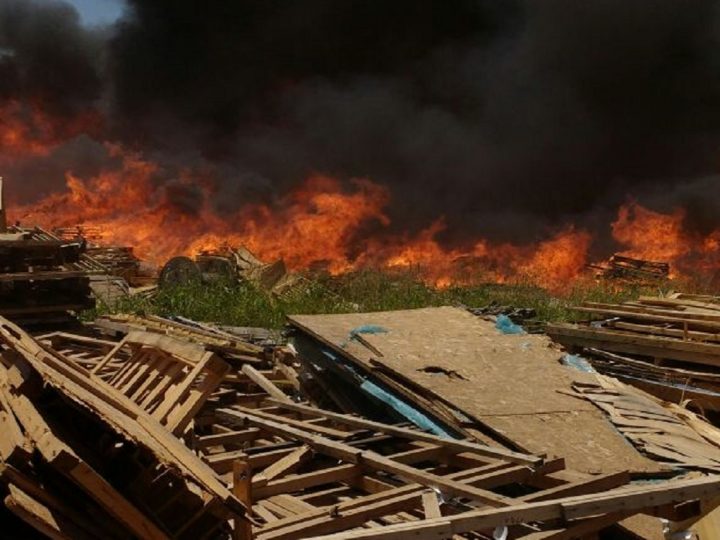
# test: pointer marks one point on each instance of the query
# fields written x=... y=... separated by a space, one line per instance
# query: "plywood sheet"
x=512 y=383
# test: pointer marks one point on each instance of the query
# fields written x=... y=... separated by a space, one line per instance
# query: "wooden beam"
x=242 y=489
x=283 y=466
x=415 y=435
x=368 y=459
x=633 y=343
x=632 y=500
x=431 y=505
x=263 y=382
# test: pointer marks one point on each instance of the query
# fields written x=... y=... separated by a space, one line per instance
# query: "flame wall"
x=531 y=137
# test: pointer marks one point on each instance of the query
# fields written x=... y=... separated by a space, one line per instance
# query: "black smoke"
x=511 y=119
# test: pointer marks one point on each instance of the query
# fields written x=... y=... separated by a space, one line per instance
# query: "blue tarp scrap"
x=363 y=329
x=368 y=329
x=409 y=412
x=506 y=326
x=577 y=362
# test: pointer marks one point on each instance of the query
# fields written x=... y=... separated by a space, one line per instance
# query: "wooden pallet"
x=97 y=450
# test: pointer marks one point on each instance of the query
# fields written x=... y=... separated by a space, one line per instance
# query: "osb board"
x=509 y=382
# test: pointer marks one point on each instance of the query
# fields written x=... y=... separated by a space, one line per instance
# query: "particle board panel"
x=512 y=383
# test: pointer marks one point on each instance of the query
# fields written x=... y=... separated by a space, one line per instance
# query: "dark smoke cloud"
x=510 y=118
x=48 y=57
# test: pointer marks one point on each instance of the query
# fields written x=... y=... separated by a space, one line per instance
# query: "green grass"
x=244 y=305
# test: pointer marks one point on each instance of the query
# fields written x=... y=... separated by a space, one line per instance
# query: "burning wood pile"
x=230 y=264
x=627 y=269
x=158 y=428
x=116 y=261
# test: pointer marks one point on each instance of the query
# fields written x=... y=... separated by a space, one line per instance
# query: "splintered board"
x=513 y=384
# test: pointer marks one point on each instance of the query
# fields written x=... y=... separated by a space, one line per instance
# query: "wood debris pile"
x=630 y=270
x=41 y=277
x=231 y=264
x=668 y=346
x=147 y=427
x=93 y=453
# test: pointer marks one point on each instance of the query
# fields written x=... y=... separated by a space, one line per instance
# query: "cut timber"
x=571 y=508
x=632 y=343
x=412 y=434
x=168 y=378
x=123 y=418
x=264 y=383
x=40 y=517
x=365 y=458
x=283 y=466
x=431 y=506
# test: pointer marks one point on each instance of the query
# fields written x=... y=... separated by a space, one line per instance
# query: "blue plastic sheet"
x=409 y=412
x=506 y=326
x=367 y=329
x=577 y=362
x=364 y=329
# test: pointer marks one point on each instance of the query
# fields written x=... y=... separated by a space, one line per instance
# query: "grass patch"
x=241 y=304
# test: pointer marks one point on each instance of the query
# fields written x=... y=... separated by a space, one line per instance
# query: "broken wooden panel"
x=445 y=355
x=167 y=378
x=137 y=472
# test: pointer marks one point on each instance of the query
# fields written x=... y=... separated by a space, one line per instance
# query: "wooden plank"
x=242 y=489
x=264 y=383
x=229 y=438
x=62 y=457
x=631 y=343
x=632 y=500
x=306 y=426
x=117 y=411
x=416 y=435
x=431 y=505
x=367 y=458
x=283 y=466
x=355 y=512
x=42 y=518
x=42 y=495
x=214 y=372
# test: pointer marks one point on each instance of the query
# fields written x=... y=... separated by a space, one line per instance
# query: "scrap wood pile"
x=46 y=276
x=116 y=260
x=89 y=455
x=40 y=280
x=628 y=269
x=668 y=346
x=144 y=427
x=232 y=264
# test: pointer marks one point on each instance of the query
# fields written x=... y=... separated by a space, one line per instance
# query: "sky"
x=98 y=11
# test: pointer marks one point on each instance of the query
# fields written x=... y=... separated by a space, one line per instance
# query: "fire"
x=319 y=223
x=324 y=223
x=656 y=236
x=651 y=235
x=28 y=131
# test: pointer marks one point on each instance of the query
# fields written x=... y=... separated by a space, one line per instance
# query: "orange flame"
x=323 y=223
x=651 y=235
x=27 y=131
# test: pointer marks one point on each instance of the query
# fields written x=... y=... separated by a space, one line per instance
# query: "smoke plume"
x=510 y=119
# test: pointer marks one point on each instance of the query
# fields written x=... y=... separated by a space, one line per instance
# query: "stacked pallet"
x=628 y=269
x=119 y=261
x=38 y=282
x=669 y=346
